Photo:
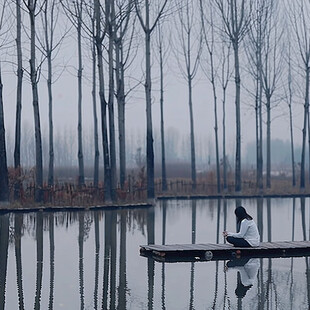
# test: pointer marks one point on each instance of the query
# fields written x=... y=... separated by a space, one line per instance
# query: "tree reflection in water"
x=106 y=271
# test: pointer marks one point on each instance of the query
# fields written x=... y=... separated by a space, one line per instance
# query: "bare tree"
x=148 y=27
x=101 y=25
x=4 y=183
x=300 y=12
x=33 y=8
x=20 y=73
x=74 y=11
x=236 y=16
x=224 y=80
x=211 y=73
x=254 y=52
x=190 y=37
x=122 y=16
x=94 y=97
x=162 y=56
x=289 y=99
x=100 y=33
x=49 y=22
x=271 y=72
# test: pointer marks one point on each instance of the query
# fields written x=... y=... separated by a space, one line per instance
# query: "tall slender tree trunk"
x=258 y=113
x=20 y=72
x=121 y=111
x=96 y=139
x=268 y=172
x=308 y=147
x=103 y=106
x=81 y=180
x=149 y=126
x=111 y=103
x=217 y=153
x=192 y=134
x=224 y=143
x=304 y=131
x=238 y=119
x=162 y=125
x=4 y=181
x=225 y=79
x=148 y=86
x=51 y=128
x=49 y=37
x=35 y=103
x=291 y=121
x=50 y=121
x=260 y=140
x=292 y=146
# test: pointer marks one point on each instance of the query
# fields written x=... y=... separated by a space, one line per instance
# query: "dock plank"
x=204 y=251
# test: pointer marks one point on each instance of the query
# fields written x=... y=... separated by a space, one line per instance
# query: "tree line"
x=258 y=48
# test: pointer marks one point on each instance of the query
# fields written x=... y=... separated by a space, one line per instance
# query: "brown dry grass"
x=69 y=194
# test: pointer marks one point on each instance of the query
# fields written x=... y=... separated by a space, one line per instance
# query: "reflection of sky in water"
x=99 y=277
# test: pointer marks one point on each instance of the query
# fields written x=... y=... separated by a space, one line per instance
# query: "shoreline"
x=6 y=207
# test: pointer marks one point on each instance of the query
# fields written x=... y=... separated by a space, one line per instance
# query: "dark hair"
x=241 y=214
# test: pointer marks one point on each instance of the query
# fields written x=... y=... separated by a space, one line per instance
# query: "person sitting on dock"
x=247 y=235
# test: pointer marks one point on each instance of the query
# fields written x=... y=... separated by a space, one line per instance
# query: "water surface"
x=90 y=259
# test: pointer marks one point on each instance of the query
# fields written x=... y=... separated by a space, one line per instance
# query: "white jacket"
x=248 y=231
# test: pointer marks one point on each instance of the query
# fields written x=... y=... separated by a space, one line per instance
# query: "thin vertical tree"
x=4 y=182
x=148 y=27
x=123 y=16
x=254 y=53
x=271 y=73
x=98 y=28
x=236 y=16
x=162 y=54
x=211 y=73
x=33 y=11
x=110 y=22
x=224 y=80
x=94 y=97
x=190 y=37
x=289 y=99
x=20 y=72
x=100 y=33
x=49 y=22
x=74 y=11
x=299 y=17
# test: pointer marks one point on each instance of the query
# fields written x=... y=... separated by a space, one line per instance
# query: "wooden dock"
x=210 y=251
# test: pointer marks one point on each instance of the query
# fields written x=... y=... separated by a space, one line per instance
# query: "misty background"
x=177 y=127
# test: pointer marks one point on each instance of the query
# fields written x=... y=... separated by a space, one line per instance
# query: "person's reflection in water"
x=247 y=272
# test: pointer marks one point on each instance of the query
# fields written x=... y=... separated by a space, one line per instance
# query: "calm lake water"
x=91 y=260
